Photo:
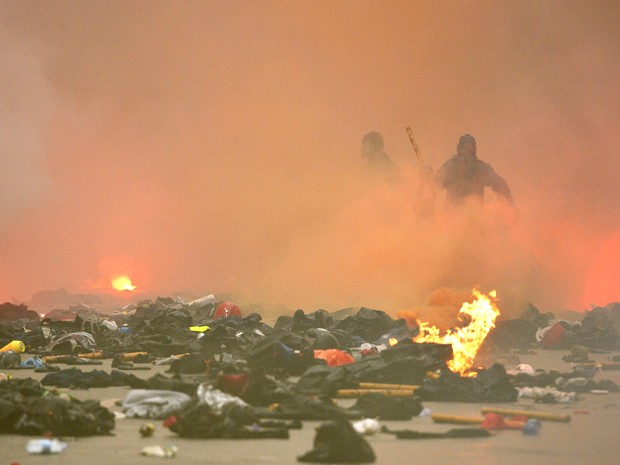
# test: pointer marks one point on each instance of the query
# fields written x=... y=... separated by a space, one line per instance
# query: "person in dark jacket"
x=464 y=176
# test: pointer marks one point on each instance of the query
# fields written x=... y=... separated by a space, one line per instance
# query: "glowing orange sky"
x=214 y=146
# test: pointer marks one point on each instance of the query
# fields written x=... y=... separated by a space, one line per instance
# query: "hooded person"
x=379 y=165
x=464 y=176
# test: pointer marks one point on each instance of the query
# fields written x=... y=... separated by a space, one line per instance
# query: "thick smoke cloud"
x=214 y=147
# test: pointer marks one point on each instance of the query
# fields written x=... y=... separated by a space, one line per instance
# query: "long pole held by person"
x=425 y=198
x=416 y=149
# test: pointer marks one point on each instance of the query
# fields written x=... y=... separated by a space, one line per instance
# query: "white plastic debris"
x=168 y=451
x=215 y=398
x=111 y=325
x=571 y=384
x=560 y=397
x=522 y=368
x=425 y=412
x=45 y=446
x=153 y=403
x=367 y=426
x=208 y=299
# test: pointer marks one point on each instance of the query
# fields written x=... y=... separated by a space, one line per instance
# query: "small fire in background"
x=122 y=282
x=465 y=341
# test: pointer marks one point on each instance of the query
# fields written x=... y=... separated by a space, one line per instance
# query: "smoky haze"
x=214 y=146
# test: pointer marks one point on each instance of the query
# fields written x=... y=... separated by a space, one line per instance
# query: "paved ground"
x=590 y=437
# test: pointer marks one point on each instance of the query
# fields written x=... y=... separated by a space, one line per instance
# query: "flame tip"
x=467 y=340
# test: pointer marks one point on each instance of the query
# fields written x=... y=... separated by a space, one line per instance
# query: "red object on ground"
x=235 y=384
x=554 y=337
x=497 y=421
x=171 y=420
x=226 y=309
x=334 y=357
x=371 y=351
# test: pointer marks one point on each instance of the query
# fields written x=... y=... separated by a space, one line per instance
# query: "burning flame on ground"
x=465 y=341
x=122 y=283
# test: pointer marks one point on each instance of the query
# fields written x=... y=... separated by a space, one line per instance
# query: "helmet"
x=323 y=339
x=226 y=309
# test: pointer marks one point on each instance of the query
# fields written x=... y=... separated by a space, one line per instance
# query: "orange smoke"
x=601 y=283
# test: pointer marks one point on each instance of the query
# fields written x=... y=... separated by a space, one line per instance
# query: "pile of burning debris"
x=232 y=375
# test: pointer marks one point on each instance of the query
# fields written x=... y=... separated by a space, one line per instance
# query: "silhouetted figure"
x=464 y=176
x=379 y=165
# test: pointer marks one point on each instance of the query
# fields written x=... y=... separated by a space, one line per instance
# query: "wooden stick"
x=91 y=355
x=456 y=419
x=603 y=365
x=409 y=387
x=130 y=356
x=56 y=358
x=363 y=392
x=527 y=413
x=610 y=366
x=460 y=420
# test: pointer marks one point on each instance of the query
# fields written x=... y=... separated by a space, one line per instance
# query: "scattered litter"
x=547 y=416
x=32 y=362
x=532 y=427
x=367 y=426
x=522 y=368
x=168 y=451
x=425 y=412
x=337 y=442
x=547 y=395
x=153 y=403
x=45 y=446
x=215 y=398
x=452 y=433
x=147 y=430
x=233 y=376
x=109 y=325
x=495 y=421
x=17 y=347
